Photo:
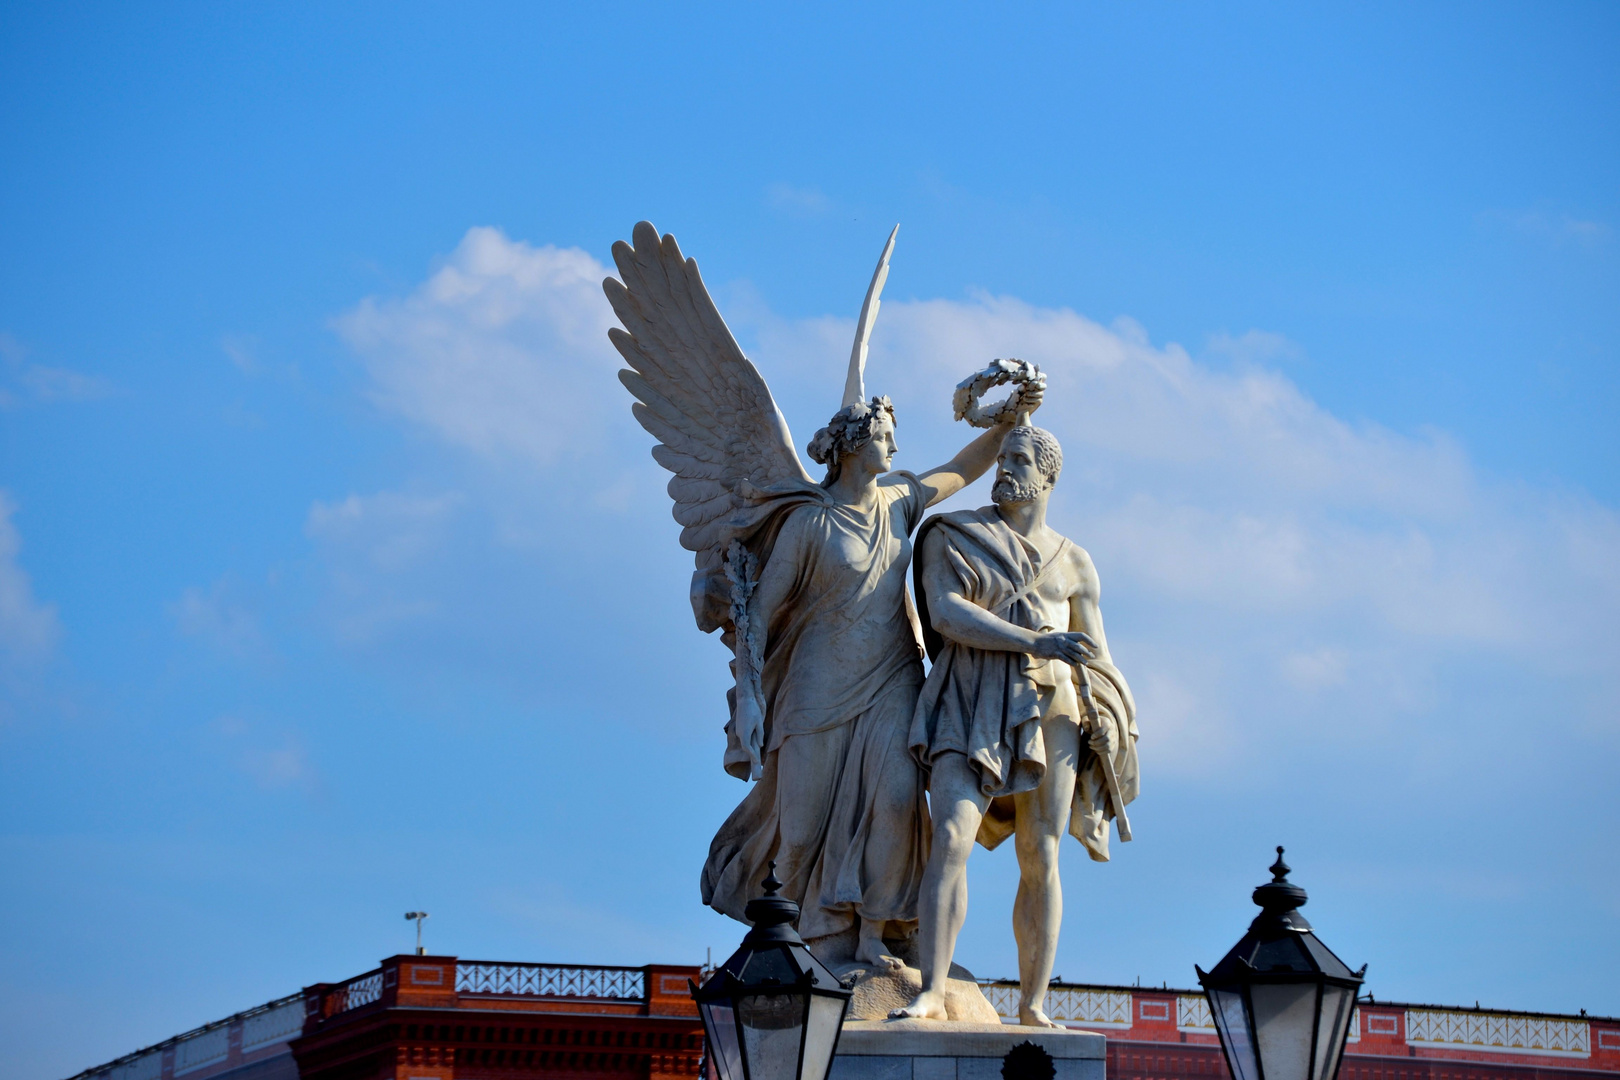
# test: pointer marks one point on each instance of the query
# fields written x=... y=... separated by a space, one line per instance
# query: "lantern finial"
x=772 y=915
x=1280 y=899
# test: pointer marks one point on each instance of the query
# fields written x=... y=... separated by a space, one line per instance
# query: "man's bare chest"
x=1055 y=582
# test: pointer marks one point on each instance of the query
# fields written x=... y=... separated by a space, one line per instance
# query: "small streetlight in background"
x=418 y=916
x=1281 y=1000
x=772 y=1011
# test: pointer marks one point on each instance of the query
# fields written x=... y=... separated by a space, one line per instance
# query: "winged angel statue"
x=807 y=582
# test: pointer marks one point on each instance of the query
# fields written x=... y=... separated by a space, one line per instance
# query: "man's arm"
x=1085 y=611
x=961 y=620
x=1085 y=616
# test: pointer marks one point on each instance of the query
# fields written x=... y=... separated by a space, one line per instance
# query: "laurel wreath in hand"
x=966 y=403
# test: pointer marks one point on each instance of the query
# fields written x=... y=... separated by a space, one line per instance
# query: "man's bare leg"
x=957 y=809
x=1043 y=817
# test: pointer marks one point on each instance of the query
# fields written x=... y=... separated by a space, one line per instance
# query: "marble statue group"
x=871 y=775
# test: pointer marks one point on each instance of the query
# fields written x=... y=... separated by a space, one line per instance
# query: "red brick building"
x=440 y=1018
x=1168 y=1034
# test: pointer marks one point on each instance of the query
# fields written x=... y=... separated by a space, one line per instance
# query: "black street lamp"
x=772 y=1011
x=1281 y=1000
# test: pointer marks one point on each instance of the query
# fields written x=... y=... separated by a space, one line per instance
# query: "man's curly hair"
x=1048 y=454
x=848 y=431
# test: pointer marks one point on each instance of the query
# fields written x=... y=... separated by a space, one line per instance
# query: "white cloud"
x=502 y=351
x=216 y=617
x=389 y=529
x=29 y=630
x=271 y=760
x=1252 y=347
x=24 y=382
x=1274 y=558
x=369 y=541
x=1553 y=228
x=1260 y=555
x=800 y=201
x=1319 y=669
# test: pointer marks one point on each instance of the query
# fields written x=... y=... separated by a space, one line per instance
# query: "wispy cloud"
x=245 y=354
x=216 y=616
x=23 y=382
x=1550 y=227
x=29 y=630
x=240 y=352
x=369 y=542
x=799 y=201
x=1252 y=347
x=390 y=530
x=272 y=760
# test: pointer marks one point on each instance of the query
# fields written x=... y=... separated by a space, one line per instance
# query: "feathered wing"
x=718 y=428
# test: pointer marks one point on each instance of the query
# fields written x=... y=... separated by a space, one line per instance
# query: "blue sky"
x=335 y=579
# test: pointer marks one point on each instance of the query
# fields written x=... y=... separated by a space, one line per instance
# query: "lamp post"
x=418 y=916
x=1281 y=1000
x=772 y=1011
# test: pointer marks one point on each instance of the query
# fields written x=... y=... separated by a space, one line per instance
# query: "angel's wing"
x=718 y=427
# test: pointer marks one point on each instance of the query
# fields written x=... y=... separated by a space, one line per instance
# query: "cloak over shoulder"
x=987 y=704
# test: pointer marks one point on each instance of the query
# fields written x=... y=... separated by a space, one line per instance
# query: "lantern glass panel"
x=821 y=1035
x=1337 y=1004
x=1227 y=1007
x=772 y=1028
x=1284 y=1018
x=720 y=1022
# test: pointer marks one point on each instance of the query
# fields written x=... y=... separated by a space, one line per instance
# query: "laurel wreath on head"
x=966 y=403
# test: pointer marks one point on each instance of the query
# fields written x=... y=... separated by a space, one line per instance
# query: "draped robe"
x=841 y=803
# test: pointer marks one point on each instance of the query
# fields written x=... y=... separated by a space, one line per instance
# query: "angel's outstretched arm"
x=967 y=466
x=974 y=459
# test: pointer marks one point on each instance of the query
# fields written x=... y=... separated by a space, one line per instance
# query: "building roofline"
x=1364 y=1000
x=173 y=1040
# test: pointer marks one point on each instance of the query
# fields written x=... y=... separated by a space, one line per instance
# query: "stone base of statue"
x=948 y=1050
x=879 y=991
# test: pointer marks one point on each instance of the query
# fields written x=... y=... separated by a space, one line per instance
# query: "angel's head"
x=864 y=432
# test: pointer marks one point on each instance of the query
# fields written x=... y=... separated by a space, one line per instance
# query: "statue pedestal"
x=944 y=1050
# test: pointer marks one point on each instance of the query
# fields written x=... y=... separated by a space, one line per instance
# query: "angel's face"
x=878 y=453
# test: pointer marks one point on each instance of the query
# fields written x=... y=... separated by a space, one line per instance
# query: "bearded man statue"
x=1010 y=617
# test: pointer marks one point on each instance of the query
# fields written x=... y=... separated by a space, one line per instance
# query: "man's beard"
x=1007 y=490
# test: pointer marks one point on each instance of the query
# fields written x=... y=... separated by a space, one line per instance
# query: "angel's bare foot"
x=872 y=953
x=928 y=1005
x=884 y=963
x=1031 y=1017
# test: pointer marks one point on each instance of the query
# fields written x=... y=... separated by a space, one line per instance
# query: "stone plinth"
x=936 y=1050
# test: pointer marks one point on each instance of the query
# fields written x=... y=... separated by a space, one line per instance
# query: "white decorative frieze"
x=1193 y=1017
x=1192 y=1014
x=148 y=1066
x=1093 y=1008
x=203 y=1048
x=272 y=1026
x=1498 y=1032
